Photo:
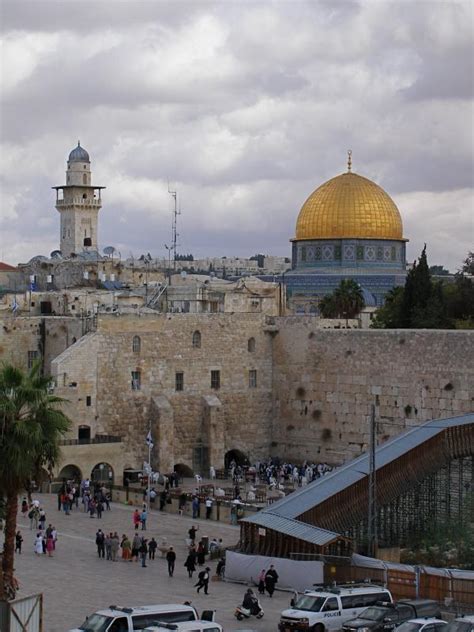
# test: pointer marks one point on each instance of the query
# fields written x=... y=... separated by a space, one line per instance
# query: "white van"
x=327 y=608
x=188 y=626
x=120 y=619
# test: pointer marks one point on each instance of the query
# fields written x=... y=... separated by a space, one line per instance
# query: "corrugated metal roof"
x=323 y=488
x=293 y=528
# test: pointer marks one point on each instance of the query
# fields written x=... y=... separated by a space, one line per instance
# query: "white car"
x=461 y=624
x=327 y=609
x=120 y=619
x=427 y=624
x=188 y=626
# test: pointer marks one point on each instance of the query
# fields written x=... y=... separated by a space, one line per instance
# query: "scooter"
x=245 y=613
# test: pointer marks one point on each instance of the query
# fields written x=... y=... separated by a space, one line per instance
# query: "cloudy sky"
x=245 y=107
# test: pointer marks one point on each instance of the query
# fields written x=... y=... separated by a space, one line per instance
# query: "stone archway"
x=183 y=471
x=235 y=455
x=102 y=473
x=70 y=473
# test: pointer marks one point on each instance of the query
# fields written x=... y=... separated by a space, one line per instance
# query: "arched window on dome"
x=251 y=345
x=197 y=339
x=136 y=344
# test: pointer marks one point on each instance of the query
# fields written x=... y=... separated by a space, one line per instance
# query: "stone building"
x=216 y=386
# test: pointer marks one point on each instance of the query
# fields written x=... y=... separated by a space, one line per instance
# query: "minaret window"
x=84 y=196
x=84 y=179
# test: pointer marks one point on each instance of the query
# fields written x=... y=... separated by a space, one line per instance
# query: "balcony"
x=95 y=440
x=78 y=201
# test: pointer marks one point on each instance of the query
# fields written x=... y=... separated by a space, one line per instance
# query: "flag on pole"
x=149 y=440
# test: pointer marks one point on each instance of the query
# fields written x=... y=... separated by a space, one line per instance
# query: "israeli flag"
x=15 y=305
x=149 y=440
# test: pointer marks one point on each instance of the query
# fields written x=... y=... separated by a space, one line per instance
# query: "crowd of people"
x=46 y=537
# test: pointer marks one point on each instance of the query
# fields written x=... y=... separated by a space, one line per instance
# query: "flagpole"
x=149 y=470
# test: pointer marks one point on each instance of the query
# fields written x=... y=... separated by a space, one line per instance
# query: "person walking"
x=143 y=519
x=190 y=563
x=271 y=578
x=143 y=550
x=50 y=546
x=192 y=534
x=99 y=508
x=201 y=554
x=208 y=508
x=171 y=559
x=108 y=546
x=18 y=542
x=163 y=497
x=100 y=542
x=152 y=545
x=261 y=581
x=114 y=546
x=136 y=543
x=24 y=507
x=203 y=580
x=136 y=519
x=38 y=544
x=126 y=549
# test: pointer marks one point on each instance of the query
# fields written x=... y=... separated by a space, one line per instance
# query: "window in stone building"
x=32 y=355
x=251 y=345
x=253 y=378
x=179 y=381
x=88 y=400
x=197 y=339
x=136 y=380
x=215 y=379
x=136 y=344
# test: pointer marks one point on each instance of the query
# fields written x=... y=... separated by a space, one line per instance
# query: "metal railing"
x=92 y=440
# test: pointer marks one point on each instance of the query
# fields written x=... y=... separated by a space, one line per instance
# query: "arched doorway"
x=84 y=434
x=183 y=471
x=70 y=473
x=235 y=455
x=102 y=473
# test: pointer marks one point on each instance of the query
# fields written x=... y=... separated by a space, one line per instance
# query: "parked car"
x=327 y=608
x=427 y=624
x=120 y=619
x=187 y=626
x=461 y=624
x=385 y=617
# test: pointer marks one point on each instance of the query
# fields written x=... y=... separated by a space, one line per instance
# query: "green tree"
x=468 y=264
x=346 y=301
x=31 y=425
x=389 y=316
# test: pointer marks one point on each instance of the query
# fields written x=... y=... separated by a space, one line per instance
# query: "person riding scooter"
x=251 y=603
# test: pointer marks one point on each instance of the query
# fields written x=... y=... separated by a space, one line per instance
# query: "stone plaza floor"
x=75 y=582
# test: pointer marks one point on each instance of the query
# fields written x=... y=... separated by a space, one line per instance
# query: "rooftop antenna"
x=349 y=160
x=174 y=224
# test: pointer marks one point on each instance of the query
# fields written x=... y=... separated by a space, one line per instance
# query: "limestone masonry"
x=212 y=383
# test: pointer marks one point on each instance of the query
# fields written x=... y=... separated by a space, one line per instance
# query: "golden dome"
x=349 y=206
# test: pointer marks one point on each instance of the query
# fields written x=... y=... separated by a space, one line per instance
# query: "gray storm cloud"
x=245 y=107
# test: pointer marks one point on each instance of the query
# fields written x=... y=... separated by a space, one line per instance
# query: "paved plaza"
x=75 y=582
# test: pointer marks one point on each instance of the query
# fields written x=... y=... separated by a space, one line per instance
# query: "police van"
x=121 y=619
x=327 y=608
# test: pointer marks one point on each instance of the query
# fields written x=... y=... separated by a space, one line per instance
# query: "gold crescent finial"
x=349 y=160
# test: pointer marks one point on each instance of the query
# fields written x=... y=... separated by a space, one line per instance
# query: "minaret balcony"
x=96 y=203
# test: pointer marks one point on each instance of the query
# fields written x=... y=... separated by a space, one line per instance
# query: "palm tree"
x=31 y=425
x=346 y=301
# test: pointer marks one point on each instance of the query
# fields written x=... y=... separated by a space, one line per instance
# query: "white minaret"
x=78 y=203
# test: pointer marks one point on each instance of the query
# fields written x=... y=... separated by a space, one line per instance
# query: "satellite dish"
x=109 y=250
x=56 y=254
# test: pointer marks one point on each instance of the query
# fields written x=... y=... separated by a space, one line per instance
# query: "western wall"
x=325 y=381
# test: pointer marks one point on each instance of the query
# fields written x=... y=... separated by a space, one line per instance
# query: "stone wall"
x=234 y=416
x=324 y=382
x=48 y=336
